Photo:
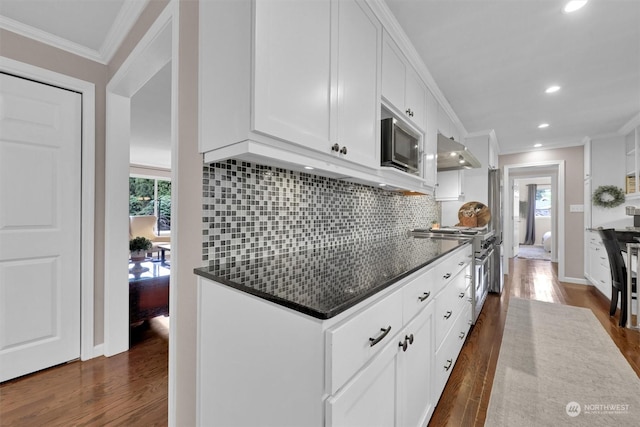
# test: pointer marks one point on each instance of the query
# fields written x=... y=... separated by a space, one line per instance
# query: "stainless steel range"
x=484 y=253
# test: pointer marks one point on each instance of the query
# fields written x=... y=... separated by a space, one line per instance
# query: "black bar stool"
x=618 y=274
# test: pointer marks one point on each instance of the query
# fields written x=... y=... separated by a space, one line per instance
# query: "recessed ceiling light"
x=573 y=5
x=382 y=185
x=453 y=154
x=543 y=125
x=552 y=89
x=308 y=168
x=538 y=145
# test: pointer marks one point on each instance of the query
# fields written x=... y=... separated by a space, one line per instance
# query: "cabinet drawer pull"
x=448 y=315
x=335 y=147
x=424 y=296
x=461 y=263
x=448 y=365
x=446 y=276
x=374 y=341
x=461 y=295
x=343 y=150
x=462 y=334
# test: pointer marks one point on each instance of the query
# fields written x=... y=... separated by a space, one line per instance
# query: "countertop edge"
x=322 y=315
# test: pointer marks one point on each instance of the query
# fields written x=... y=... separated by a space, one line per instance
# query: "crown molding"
x=125 y=20
x=548 y=145
x=49 y=39
x=630 y=125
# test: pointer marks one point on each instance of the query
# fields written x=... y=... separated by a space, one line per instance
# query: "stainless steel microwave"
x=399 y=148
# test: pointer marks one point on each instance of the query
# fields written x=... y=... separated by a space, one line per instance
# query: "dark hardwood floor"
x=130 y=389
x=465 y=399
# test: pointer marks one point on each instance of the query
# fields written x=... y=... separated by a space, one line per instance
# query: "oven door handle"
x=483 y=259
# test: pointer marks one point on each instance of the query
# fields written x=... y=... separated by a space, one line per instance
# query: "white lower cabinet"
x=395 y=389
x=599 y=273
x=447 y=353
x=382 y=362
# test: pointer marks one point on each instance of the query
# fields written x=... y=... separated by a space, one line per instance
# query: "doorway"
x=532 y=218
x=554 y=170
x=150 y=60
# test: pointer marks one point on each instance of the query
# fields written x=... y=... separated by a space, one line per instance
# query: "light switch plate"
x=576 y=208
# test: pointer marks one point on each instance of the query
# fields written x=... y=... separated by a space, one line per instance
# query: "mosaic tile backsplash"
x=251 y=211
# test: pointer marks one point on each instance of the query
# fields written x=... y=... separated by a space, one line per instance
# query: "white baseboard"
x=577 y=281
x=98 y=350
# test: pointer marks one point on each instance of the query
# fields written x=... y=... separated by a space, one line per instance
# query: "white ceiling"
x=492 y=60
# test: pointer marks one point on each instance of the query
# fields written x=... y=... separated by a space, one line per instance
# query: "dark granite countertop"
x=325 y=282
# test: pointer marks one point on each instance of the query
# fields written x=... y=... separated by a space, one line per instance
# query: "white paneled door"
x=40 y=189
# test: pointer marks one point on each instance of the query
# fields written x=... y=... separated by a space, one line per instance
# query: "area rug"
x=558 y=367
x=533 y=252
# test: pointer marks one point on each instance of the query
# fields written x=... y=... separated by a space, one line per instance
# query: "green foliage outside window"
x=142 y=200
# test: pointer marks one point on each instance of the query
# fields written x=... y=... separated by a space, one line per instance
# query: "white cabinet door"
x=401 y=85
x=416 y=391
x=359 y=36
x=449 y=185
x=430 y=146
x=416 y=98
x=393 y=73
x=370 y=399
x=293 y=71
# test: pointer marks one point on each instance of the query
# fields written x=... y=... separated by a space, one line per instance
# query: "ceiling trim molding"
x=630 y=125
x=49 y=39
x=548 y=146
x=126 y=19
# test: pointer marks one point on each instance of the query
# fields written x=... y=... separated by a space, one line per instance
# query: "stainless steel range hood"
x=453 y=155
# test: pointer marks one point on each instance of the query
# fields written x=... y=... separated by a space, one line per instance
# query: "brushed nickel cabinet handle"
x=448 y=365
x=448 y=315
x=424 y=296
x=446 y=276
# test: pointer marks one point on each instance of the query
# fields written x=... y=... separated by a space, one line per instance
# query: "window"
x=151 y=196
x=543 y=201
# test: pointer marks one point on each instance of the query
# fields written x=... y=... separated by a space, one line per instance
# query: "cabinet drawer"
x=444 y=272
x=450 y=302
x=417 y=294
x=447 y=355
x=351 y=343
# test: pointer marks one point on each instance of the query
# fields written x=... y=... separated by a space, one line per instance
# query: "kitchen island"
x=332 y=336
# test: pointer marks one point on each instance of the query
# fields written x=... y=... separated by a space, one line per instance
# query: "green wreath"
x=608 y=196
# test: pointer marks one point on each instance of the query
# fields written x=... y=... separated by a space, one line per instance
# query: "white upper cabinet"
x=292 y=77
x=298 y=76
x=358 y=87
x=430 y=142
x=401 y=85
